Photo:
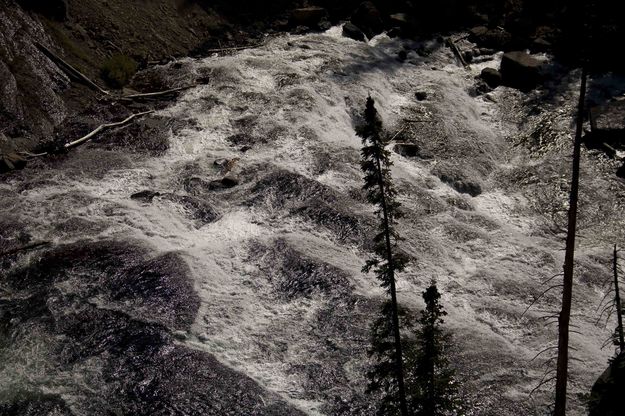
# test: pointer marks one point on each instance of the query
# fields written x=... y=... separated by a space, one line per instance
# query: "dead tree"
x=617 y=303
x=564 y=318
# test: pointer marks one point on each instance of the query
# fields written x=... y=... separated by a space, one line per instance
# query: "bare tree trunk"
x=567 y=290
x=617 y=301
x=391 y=274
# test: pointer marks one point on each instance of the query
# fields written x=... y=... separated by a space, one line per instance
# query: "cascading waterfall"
x=250 y=299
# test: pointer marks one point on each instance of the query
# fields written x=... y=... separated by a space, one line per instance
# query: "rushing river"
x=200 y=297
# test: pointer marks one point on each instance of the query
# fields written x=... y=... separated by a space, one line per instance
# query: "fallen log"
x=235 y=48
x=149 y=95
x=70 y=70
x=456 y=52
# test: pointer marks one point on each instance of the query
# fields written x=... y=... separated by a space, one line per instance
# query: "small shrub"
x=118 y=70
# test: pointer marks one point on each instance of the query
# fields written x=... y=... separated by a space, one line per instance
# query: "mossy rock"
x=118 y=70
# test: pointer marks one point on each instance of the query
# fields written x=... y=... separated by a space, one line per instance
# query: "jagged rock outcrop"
x=30 y=85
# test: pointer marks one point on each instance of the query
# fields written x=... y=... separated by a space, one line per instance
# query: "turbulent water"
x=196 y=297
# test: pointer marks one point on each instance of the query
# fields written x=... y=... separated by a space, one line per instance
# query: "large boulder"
x=368 y=18
x=520 y=70
x=352 y=31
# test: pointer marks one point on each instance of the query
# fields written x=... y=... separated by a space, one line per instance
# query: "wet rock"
x=308 y=16
x=197 y=186
x=407 y=149
x=245 y=140
x=486 y=51
x=520 y=70
x=230 y=181
x=368 y=18
x=352 y=31
x=491 y=76
x=402 y=55
x=145 y=196
x=421 y=95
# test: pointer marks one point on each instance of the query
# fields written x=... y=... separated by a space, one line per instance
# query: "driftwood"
x=456 y=52
x=149 y=95
x=235 y=48
x=70 y=70
x=24 y=248
x=93 y=133
x=104 y=127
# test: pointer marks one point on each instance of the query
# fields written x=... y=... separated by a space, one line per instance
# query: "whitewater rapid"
x=282 y=298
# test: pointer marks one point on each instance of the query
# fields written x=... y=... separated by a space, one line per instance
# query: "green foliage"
x=118 y=70
x=431 y=385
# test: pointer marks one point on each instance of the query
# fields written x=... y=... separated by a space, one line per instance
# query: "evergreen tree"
x=387 y=376
x=432 y=388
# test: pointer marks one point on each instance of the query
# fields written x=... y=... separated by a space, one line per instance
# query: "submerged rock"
x=145 y=196
x=112 y=305
x=294 y=275
x=199 y=210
